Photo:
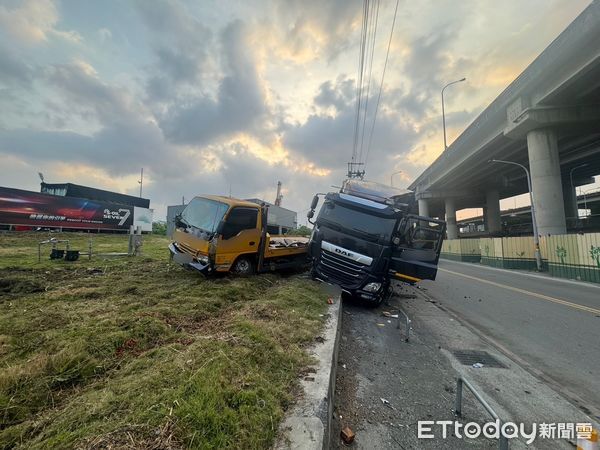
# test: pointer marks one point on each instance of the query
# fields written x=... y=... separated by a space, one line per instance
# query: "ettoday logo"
x=429 y=429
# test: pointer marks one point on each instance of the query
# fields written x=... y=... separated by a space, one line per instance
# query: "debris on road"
x=389 y=314
x=477 y=366
x=387 y=403
x=347 y=435
x=381 y=324
x=330 y=300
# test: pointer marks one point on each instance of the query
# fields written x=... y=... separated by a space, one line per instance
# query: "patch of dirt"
x=19 y=286
x=134 y=438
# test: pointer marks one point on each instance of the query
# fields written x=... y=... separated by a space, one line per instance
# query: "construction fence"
x=574 y=256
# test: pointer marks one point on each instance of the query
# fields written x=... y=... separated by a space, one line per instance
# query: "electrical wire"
x=387 y=54
x=366 y=102
x=359 y=84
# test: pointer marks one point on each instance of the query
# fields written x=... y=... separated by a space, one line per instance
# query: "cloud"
x=13 y=70
x=204 y=95
x=33 y=21
x=327 y=138
x=238 y=106
x=180 y=44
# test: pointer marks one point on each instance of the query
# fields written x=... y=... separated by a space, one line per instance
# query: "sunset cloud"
x=209 y=97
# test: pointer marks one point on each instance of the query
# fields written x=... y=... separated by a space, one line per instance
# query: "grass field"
x=134 y=352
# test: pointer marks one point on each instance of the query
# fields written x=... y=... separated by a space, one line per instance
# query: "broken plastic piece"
x=347 y=435
x=387 y=403
x=477 y=365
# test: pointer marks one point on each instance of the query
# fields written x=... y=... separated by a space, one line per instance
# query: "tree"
x=302 y=230
x=595 y=254
x=561 y=252
x=159 y=228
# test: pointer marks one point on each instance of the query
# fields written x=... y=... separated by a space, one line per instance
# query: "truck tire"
x=243 y=266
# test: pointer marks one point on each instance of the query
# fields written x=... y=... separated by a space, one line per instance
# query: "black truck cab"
x=363 y=238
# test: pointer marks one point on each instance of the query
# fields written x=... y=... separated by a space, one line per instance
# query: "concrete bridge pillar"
x=570 y=202
x=451 y=227
x=544 y=165
x=493 y=221
x=423 y=207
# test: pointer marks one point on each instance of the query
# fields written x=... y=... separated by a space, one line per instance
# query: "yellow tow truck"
x=223 y=234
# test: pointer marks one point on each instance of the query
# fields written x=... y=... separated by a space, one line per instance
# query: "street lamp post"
x=392 y=177
x=141 y=181
x=572 y=192
x=536 y=237
x=444 y=112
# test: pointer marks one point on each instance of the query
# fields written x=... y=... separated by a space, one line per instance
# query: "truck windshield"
x=204 y=213
x=357 y=222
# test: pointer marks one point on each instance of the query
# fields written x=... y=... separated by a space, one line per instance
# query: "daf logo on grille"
x=344 y=252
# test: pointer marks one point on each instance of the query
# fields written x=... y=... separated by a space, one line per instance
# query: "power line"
x=374 y=35
x=359 y=85
x=387 y=54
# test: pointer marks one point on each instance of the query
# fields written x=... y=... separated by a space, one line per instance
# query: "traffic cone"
x=590 y=443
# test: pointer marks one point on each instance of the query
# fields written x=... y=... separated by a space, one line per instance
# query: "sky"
x=219 y=97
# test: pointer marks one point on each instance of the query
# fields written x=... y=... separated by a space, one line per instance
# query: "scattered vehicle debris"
x=347 y=435
x=477 y=365
x=387 y=403
x=389 y=314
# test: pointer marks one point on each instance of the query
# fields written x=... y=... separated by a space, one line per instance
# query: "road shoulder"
x=307 y=425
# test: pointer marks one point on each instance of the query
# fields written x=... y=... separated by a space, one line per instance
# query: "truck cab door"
x=416 y=256
x=239 y=235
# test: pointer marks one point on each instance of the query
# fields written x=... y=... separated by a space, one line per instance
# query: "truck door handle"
x=251 y=242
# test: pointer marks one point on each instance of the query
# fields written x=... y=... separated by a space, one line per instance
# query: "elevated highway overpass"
x=547 y=119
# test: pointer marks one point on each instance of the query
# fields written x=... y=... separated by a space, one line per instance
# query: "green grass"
x=136 y=352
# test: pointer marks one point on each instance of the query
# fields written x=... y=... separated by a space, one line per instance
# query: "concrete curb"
x=307 y=425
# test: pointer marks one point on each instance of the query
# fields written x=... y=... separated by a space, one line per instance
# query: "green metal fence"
x=574 y=256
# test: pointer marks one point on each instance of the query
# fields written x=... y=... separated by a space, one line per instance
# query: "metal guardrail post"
x=407 y=324
x=503 y=440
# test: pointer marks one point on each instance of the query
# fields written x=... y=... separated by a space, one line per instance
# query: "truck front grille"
x=341 y=269
x=187 y=249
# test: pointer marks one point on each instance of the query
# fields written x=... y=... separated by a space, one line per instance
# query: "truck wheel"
x=243 y=266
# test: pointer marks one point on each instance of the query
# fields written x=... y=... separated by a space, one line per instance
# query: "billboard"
x=142 y=217
x=18 y=207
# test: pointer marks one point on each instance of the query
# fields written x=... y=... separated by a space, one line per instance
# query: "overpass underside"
x=547 y=120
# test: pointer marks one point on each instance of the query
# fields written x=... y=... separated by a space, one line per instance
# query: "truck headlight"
x=202 y=259
x=372 y=287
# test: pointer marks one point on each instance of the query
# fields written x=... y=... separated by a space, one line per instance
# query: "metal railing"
x=503 y=440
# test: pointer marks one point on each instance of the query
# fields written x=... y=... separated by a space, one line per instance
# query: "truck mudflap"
x=187 y=260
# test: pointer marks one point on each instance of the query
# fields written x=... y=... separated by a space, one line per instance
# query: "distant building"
x=280 y=220
x=90 y=193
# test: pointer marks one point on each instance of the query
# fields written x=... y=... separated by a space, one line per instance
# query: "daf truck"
x=366 y=235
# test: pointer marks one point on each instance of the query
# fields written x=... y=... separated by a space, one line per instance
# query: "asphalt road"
x=553 y=325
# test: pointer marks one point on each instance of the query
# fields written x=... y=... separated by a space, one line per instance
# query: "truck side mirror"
x=314 y=202
x=310 y=214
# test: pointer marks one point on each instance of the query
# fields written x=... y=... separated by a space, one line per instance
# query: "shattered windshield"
x=204 y=214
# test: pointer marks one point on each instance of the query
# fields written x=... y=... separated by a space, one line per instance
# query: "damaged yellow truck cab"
x=222 y=234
